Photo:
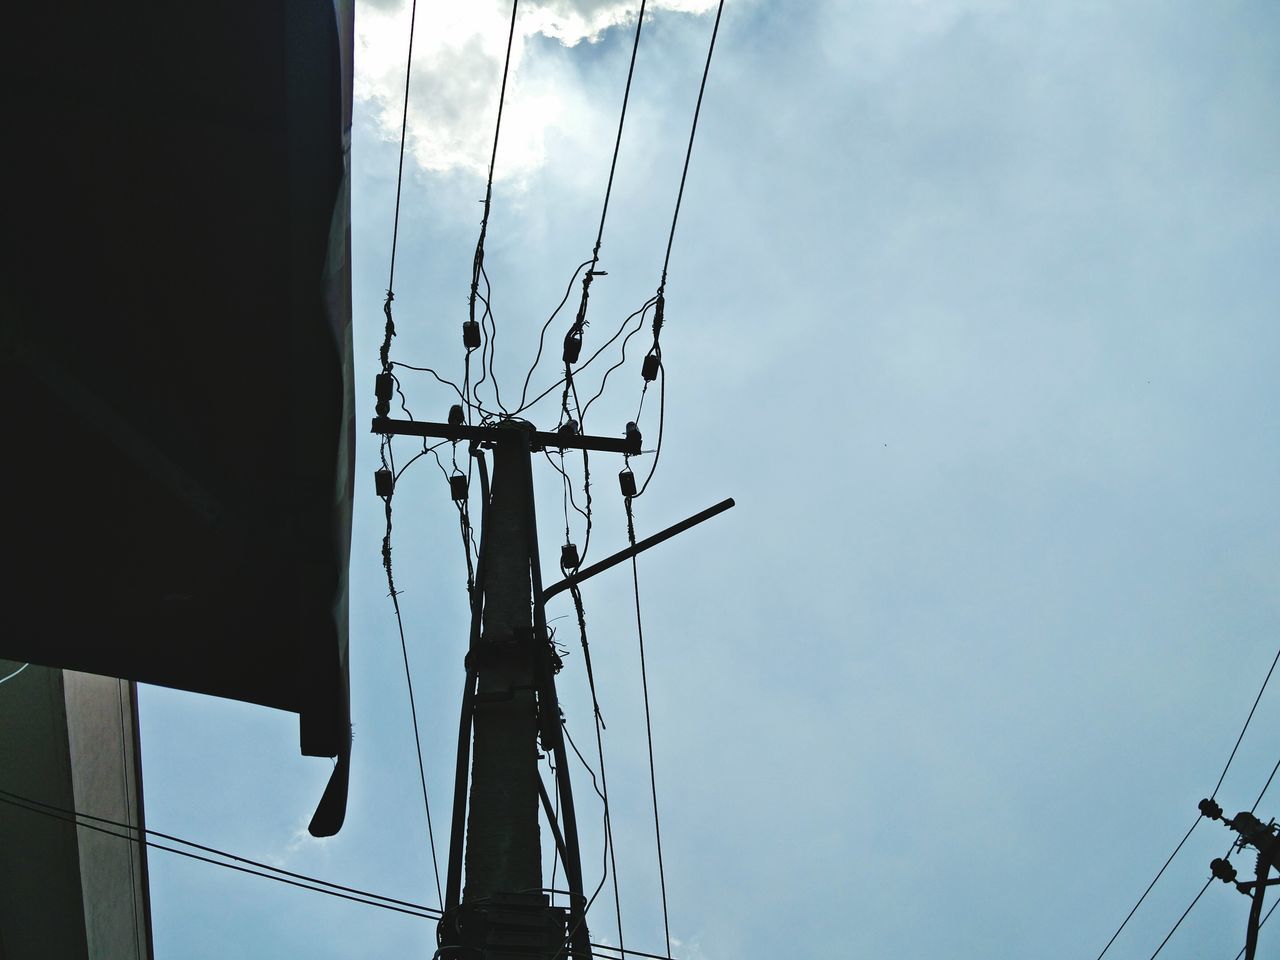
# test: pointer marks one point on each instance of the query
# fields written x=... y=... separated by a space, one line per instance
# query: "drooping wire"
x=389 y=463
x=586 y=363
x=608 y=838
x=542 y=337
x=623 y=359
x=662 y=418
x=264 y=870
x=1181 y=918
x=648 y=722
x=603 y=789
x=1196 y=823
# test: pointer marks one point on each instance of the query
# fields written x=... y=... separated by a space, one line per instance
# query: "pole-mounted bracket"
x=612 y=561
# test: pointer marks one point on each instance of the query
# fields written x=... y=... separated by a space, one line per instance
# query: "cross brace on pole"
x=536 y=439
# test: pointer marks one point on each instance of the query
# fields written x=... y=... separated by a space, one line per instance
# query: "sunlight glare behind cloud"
x=457 y=65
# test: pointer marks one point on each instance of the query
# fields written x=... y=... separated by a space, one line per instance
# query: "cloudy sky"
x=972 y=308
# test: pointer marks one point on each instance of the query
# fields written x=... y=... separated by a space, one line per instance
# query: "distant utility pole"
x=509 y=707
x=1265 y=838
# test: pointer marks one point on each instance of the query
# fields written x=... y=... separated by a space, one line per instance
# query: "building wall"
x=69 y=740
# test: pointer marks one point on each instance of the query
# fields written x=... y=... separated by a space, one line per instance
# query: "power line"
x=278 y=874
x=14 y=674
x=1266 y=786
x=1159 y=874
x=408 y=676
x=617 y=143
x=693 y=131
x=573 y=339
x=542 y=337
x=599 y=725
x=1248 y=719
x=477 y=265
x=586 y=363
x=1181 y=918
x=648 y=723
x=390 y=329
x=659 y=316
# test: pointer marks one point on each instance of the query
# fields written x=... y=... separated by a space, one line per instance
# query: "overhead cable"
x=652 y=367
x=390 y=329
x=1247 y=721
x=408 y=677
x=1181 y=918
x=648 y=723
x=599 y=727
x=1266 y=786
x=265 y=870
x=477 y=265
x=573 y=339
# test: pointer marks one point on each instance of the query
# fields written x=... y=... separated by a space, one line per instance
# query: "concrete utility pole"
x=509 y=707
x=503 y=852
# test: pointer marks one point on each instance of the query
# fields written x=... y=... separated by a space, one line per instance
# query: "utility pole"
x=1265 y=838
x=509 y=707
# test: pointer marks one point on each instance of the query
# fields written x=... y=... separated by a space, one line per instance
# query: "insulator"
x=383 y=385
x=572 y=345
x=455 y=415
x=569 y=557
x=568 y=429
x=1210 y=809
x=627 y=481
x=1223 y=870
x=649 y=369
x=633 y=434
x=384 y=482
x=470 y=334
x=458 y=486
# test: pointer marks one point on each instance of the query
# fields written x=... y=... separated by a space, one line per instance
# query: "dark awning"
x=177 y=350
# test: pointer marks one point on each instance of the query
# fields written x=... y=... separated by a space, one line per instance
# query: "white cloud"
x=457 y=71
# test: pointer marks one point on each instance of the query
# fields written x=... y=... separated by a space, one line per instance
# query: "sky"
x=971 y=309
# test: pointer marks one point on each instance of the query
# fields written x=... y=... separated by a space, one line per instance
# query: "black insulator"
x=1210 y=809
x=383 y=385
x=572 y=346
x=455 y=415
x=627 y=481
x=649 y=370
x=384 y=482
x=568 y=429
x=1223 y=870
x=569 y=557
x=471 y=334
x=458 y=486
x=633 y=433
